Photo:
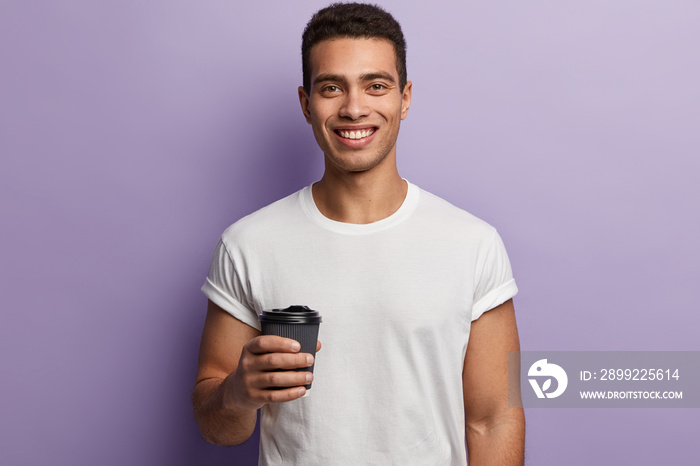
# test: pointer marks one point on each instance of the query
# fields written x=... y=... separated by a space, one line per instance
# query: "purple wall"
x=133 y=132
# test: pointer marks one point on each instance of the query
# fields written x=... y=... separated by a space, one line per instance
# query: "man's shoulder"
x=271 y=219
x=447 y=215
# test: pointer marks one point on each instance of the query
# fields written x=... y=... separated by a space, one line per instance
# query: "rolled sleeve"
x=495 y=283
x=224 y=287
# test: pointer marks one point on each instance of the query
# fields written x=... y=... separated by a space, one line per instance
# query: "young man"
x=410 y=367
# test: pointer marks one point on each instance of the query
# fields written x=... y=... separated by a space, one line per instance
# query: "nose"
x=354 y=105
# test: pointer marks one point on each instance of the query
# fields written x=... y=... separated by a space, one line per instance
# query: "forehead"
x=352 y=57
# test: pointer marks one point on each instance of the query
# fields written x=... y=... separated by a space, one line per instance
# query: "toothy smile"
x=356 y=134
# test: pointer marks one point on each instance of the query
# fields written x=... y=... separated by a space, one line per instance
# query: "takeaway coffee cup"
x=296 y=322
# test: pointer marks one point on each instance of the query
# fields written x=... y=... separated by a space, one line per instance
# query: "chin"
x=357 y=166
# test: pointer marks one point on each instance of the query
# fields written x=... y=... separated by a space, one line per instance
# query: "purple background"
x=133 y=132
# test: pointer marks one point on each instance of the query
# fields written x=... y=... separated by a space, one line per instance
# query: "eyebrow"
x=325 y=77
x=321 y=78
x=377 y=75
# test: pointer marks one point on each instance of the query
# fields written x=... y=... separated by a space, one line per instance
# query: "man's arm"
x=495 y=433
x=235 y=374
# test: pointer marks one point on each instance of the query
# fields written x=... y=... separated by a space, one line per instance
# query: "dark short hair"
x=354 y=20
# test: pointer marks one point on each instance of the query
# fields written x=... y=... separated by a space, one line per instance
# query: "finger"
x=275 y=361
x=318 y=345
x=272 y=344
x=280 y=396
x=284 y=379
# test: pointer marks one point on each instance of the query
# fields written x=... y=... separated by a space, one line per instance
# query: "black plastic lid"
x=291 y=315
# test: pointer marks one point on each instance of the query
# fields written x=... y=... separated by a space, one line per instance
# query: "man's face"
x=355 y=103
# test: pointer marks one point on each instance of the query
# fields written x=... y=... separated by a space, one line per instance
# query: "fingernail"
x=309 y=360
x=296 y=346
x=309 y=377
x=302 y=390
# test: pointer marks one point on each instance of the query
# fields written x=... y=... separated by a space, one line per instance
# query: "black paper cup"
x=296 y=322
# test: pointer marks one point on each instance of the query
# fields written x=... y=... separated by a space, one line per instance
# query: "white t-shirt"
x=397 y=299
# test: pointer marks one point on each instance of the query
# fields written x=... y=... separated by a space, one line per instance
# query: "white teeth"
x=356 y=134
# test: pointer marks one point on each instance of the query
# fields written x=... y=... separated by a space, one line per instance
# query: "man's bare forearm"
x=498 y=442
x=219 y=424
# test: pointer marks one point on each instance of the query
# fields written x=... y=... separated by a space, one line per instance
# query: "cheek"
x=392 y=109
x=316 y=120
x=320 y=134
x=321 y=109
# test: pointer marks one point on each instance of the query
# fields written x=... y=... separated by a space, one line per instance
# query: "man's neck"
x=361 y=198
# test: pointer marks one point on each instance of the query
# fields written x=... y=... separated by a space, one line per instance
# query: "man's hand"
x=238 y=373
x=258 y=380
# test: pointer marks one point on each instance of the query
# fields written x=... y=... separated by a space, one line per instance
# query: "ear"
x=406 y=99
x=304 y=102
